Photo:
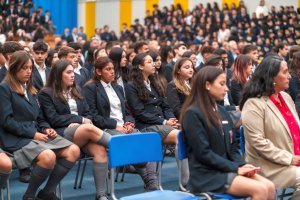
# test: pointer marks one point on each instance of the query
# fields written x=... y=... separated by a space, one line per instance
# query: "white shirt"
x=77 y=69
x=114 y=103
x=148 y=85
x=42 y=72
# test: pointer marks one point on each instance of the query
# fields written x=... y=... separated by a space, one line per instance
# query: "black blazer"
x=37 y=79
x=20 y=119
x=212 y=152
x=175 y=98
x=83 y=77
x=58 y=113
x=147 y=113
x=3 y=72
x=236 y=92
x=168 y=70
x=294 y=87
x=99 y=105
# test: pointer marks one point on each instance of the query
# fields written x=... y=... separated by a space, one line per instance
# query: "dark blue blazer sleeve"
x=53 y=110
x=294 y=87
x=235 y=91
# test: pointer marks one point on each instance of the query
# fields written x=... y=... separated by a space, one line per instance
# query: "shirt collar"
x=105 y=85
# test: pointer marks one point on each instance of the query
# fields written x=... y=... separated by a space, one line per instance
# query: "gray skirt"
x=69 y=132
x=26 y=155
x=163 y=130
x=1 y=151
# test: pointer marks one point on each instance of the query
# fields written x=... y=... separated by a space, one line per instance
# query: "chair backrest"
x=242 y=140
x=182 y=152
x=134 y=148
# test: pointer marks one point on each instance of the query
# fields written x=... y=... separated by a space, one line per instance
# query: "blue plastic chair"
x=182 y=154
x=140 y=148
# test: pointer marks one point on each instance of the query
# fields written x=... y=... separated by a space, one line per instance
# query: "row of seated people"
x=59 y=100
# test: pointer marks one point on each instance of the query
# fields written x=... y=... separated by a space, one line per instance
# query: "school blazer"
x=147 y=113
x=20 y=119
x=99 y=105
x=58 y=113
x=269 y=144
x=37 y=79
x=83 y=77
x=212 y=152
x=175 y=98
x=3 y=72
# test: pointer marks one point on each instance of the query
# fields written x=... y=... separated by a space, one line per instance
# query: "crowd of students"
x=58 y=101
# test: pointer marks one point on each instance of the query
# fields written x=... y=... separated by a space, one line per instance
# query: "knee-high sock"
x=38 y=176
x=184 y=169
x=3 y=178
x=61 y=168
x=100 y=172
x=148 y=174
x=104 y=139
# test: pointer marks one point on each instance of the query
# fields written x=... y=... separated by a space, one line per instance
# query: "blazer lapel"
x=278 y=114
x=121 y=97
x=103 y=93
x=37 y=75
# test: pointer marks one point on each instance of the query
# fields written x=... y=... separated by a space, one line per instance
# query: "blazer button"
x=160 y=116
x=154 y=98
x=155 y=106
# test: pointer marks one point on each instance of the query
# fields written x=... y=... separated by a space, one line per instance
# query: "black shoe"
x=24 y=175
x=101 y=197
x=44 y=196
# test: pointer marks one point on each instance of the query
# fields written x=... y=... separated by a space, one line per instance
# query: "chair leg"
x=77 y=174
x=8 y=190
x=123 y=174
x=58 y=191
x=82 y=173
x=1 y=194
x=117 y=175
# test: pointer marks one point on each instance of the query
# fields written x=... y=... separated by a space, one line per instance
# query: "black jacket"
x=175 y=98
x=212 y=152
x=20 y=119
x=147 y=113
x=58 y=113
x=99 y=105
x=37 y=79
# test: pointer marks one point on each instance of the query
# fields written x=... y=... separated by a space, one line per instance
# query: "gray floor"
x=132 y=184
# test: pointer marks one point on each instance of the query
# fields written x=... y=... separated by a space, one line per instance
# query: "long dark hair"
x=116 y=55
x=201 y=98
x=56 y=83
x=262 y=82
x=295 y=65
x=136 y=76
x=17 y=61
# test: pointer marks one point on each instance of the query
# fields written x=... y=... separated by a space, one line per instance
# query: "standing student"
x=107 y=104
x=214 y=159
x=68 y=113
x=25 y=133
x=148 y=104
x=180 y=87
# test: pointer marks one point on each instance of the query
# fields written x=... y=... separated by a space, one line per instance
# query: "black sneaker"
x=44 y=196
x=24 y=175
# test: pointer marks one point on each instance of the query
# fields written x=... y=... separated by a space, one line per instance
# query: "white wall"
x=81 y=13
x=138 y=10
x=108 y=12
x=251 y=5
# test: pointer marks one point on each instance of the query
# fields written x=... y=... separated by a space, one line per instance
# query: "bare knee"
x=261 y=191
x=73 y=152
x=171 y=137
x=47 y=159
x=5 y=164
x=271 y=189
